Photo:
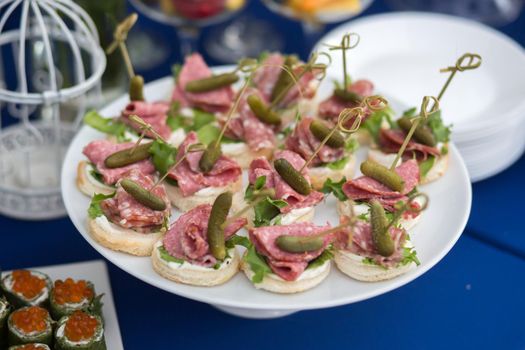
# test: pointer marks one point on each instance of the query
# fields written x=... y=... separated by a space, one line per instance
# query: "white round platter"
x=439 y=229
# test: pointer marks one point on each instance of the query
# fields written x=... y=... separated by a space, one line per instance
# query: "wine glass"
x=189 y=16
x=315 y=14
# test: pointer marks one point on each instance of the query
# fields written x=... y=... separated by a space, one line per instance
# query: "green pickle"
x=211 y=83
x=321 y=131
x=299 y=244
x=292 y=177
x=210 y=157
x=262 y=112
x=128 y=156
x=136 y=88
x=422 y=134
x=387 y=177
x=215 y=233
x=383 y=242
x=142 y=195
x=285 y=80
x=348 y=96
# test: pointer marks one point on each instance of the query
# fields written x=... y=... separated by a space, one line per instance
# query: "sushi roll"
x=68 y=296
x=32 y=346
x=26 y=288
x=5 y=310
x=80 y=330
x=31 y=324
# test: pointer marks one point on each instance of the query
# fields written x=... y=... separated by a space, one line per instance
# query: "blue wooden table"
x=474 y=298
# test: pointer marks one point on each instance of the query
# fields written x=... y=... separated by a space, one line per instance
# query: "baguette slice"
x=193 y=274
x=89 y=185
x=204 y=196
x=243 y=154
x=276 y=284
x=352 y=265
x=121 y=239
x=318 y=175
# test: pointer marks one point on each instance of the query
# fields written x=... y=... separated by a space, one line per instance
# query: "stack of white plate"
x=402 y=54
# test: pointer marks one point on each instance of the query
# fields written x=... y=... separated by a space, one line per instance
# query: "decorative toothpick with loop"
x=348 y=42
x=119 y=41
x=468 y=61
x=144 y=127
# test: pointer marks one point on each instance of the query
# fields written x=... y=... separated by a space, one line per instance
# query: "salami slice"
x=126 y=211
x=365 y=188
x=186 y=239
x=289 y=266
x=303 y=142
x=391 y=140
x=155 y=113
x=194 y=68
x=189 y=177
x=97 y=151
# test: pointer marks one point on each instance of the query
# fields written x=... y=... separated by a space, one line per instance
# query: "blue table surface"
x=474 y=298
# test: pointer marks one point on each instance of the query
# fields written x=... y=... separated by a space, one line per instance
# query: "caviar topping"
x=80 y=326
x=71 y=292
x=31 y=319
x=27 y=284
x=30 y=347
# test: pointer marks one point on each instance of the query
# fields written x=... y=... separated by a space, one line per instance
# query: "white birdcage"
x=31 y=148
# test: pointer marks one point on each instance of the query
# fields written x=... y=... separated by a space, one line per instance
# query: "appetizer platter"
x=58 y=307
x=267 y=188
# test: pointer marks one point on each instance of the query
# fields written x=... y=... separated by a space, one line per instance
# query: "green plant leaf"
x=373 y=123
x=336 y=188
x=164 y=255
x=238 y=240
x=106 y=125
x=257 y=264
x=409 y=256
x=94 y=209
x=163 y=156
x=338 y=164
x=425 y=166
x=439 y=129
x=266 y=210
x=321 y=259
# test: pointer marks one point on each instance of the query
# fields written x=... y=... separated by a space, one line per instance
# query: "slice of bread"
x=193 y=274
x=243 y=154
x=121 y=239
x=352 y=265
x=89 y=185
x=204 y=196
x=273 y=283
x=318 y=175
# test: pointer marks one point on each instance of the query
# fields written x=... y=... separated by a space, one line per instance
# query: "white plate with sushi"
x=95 y=272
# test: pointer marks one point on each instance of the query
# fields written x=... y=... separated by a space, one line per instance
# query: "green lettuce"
x=164 y=255
x=163 y=156
x=336 y=188
x=321 y=259
x=373 y=123
x=338 y=164
x=94 y=209
x=106 y=125
x=426 y=165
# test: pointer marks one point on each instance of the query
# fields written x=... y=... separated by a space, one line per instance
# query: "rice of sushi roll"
x=31 y=346
x=69 y=296
x=5 y=310
x=26 y=288
x=80 y=331
x=30 y=324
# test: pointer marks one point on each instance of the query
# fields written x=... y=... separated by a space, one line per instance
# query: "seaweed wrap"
x=80 y=331
x=26 y=288
x=31 y=346
x=69 y=296
x=31 y=324
x=5 y=310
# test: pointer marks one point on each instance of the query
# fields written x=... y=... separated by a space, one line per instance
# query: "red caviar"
x=27 y=284
x=31 y=319
x=80 y=326
x=30 y=347
x=71 y=292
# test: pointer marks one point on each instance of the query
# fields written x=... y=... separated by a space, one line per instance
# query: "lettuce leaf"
x=164 y=255
x=257 y=186
x=238 y=240
x=163 y=156
x=321 y=259
x=94 y=210
x=106 y=125
x=409 y=256
x=439 y=129
x=352 y=145
x=338 y=164
x=257 y=264
x=267 y=210
x=425 y=166
x=175 y=71
x=336 y=188
x=373 y=123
